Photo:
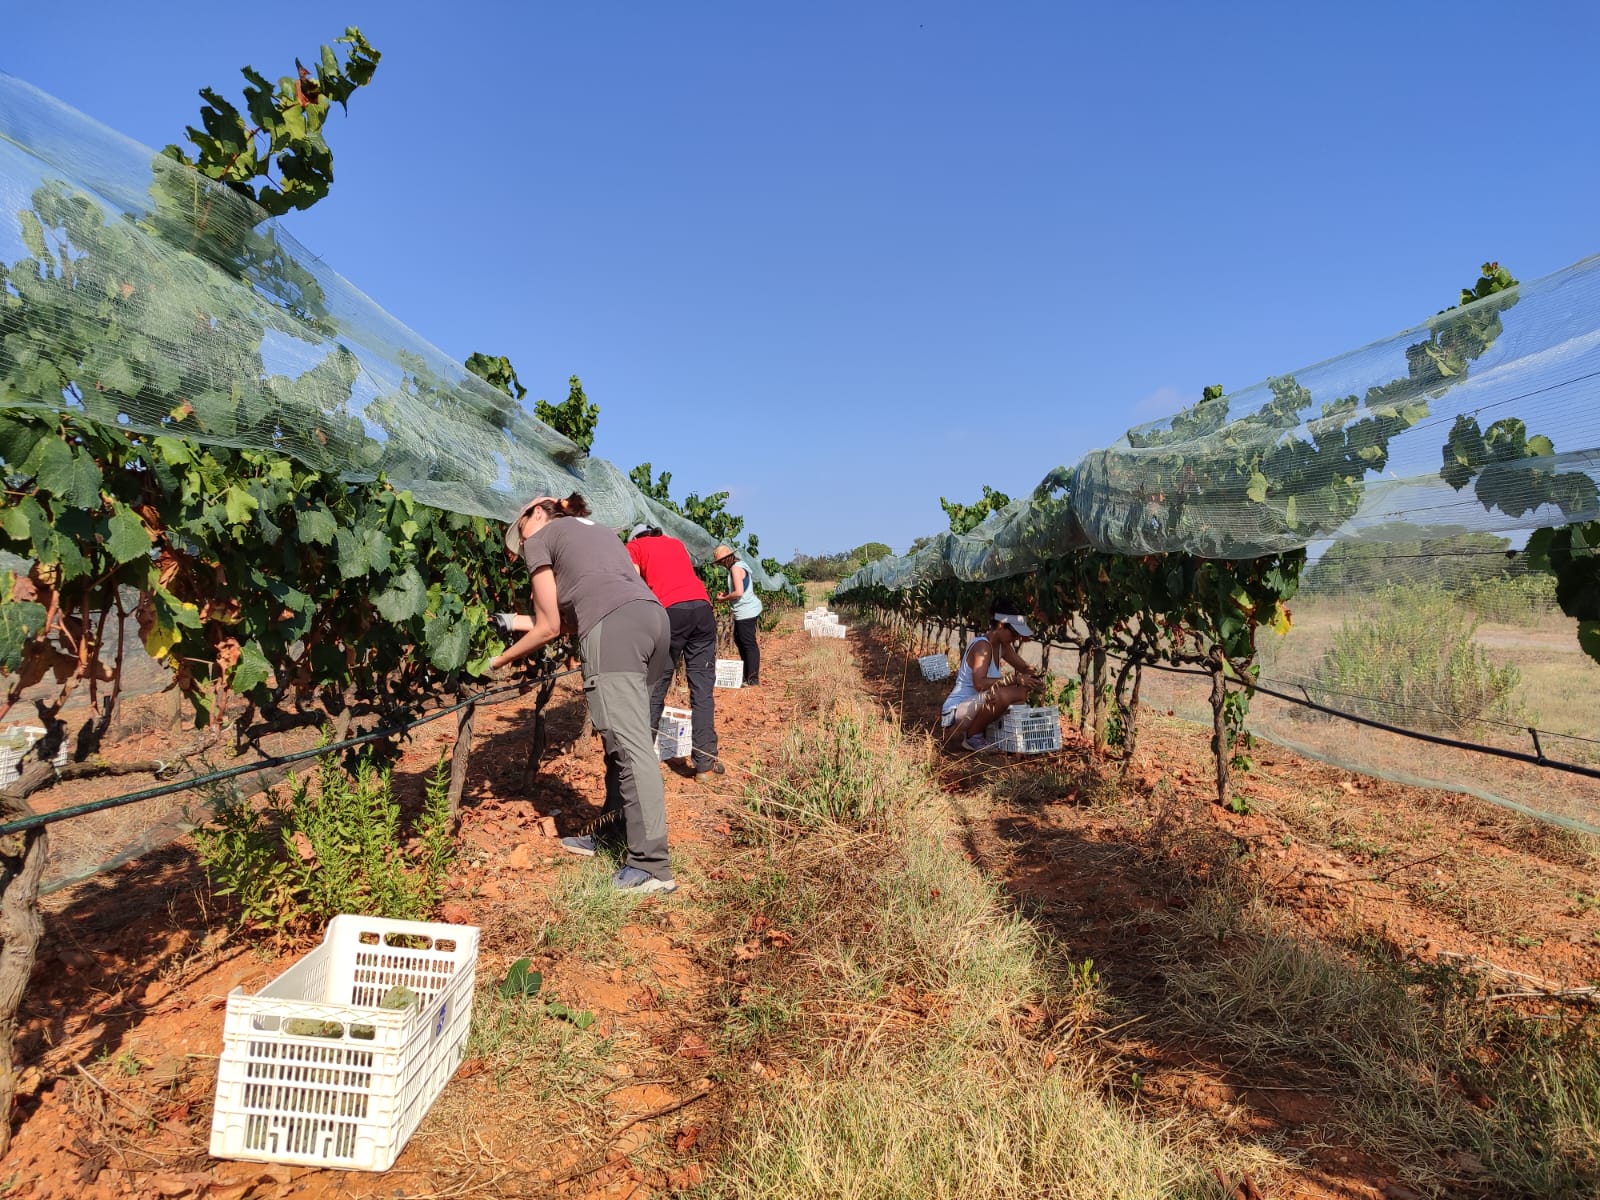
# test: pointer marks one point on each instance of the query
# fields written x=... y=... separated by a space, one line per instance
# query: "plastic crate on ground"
x=730 y=673
x=828 y=631
x=675 y=735
x=934 y=667
x=316 y=1071
x=15 y=743
x=1025 y=730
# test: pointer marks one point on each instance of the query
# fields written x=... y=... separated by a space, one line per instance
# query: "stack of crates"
x=675 y=735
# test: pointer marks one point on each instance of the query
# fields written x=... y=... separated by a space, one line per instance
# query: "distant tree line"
x=834 y=566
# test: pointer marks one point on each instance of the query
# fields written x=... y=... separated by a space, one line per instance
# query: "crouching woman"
x=980 y=697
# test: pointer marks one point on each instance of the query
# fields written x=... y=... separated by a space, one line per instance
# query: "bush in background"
x=1411 y=660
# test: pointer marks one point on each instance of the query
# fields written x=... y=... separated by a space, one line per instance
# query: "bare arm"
x=542 y=628
x=735 y=584
x=1017 y=663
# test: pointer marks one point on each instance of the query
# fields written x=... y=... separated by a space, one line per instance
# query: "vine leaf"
x=520 y=981
x=448 y=641
x=127 y=538
x=404 y=598
x=20 y=622
x=253 y=669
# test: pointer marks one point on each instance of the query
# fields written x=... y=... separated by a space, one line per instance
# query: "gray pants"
x=624 y=655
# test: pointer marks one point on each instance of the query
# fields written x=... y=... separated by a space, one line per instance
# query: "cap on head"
x=723 y=552
x=1015 y=623
x=640 y=529
x=514 y=530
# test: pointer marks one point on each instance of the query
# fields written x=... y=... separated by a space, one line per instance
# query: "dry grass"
x=1458 y=1091
x=932 y=1037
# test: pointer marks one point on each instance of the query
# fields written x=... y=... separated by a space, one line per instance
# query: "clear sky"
x=842 y=258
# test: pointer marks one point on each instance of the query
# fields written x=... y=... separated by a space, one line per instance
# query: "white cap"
x=1017 y=624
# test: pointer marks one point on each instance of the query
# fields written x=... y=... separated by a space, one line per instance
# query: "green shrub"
x=299 y=860
x=1411 y=661
x=1513 y=600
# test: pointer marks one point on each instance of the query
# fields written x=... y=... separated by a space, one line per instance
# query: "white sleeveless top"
x=964 y=689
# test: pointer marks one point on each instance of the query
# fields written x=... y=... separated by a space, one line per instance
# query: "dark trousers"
x=694 y=643
x=744 y=637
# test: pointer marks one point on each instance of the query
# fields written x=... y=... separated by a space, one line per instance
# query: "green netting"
x=1412 y=473
x=1481 y=420
x=170 y=285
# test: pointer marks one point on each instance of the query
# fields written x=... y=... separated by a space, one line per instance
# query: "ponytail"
x=573 y=506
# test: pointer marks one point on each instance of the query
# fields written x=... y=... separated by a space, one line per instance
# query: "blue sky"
x=840 y=259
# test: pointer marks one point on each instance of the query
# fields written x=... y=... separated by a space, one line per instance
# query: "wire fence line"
x=39 y=820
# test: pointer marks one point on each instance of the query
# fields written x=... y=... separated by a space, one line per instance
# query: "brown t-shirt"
x=594 y=575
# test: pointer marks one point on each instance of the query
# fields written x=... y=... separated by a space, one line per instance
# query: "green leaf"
x=317 y=526
x=1589 y=638
x=479 y=667
x=448 y=642
x=252 y=670
x=50 y=464
x=404 y=598
x=582 y=1019
x=362 y=551
x=84 y=488
x=240 y=505
x=126 y=537
x=20 y=621
x=1540 y=446
x=1257 y=490
x=14 y=522
x=520 y=981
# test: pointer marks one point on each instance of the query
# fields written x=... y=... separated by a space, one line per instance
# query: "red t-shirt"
x=665 y=566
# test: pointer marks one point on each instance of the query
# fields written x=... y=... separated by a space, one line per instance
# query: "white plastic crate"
x=828 y=631
x=1025 y=730
x=730 y=672
x=315 y=1071
x=15 y=742
x=675 y=734
x=934 y=667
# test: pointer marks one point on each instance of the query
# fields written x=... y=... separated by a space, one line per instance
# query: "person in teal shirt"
x=746 y=607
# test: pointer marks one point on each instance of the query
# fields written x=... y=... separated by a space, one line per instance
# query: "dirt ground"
x=123 y=1017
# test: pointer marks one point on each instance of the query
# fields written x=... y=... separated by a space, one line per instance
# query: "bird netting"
x=194 y=315
x=1430 y=479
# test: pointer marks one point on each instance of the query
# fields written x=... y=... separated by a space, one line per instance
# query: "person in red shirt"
x=663 y=563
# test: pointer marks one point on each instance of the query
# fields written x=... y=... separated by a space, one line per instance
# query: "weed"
x=835 y=769
x=302 y=859
x=590 y=912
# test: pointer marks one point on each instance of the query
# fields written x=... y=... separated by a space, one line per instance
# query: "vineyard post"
x=1085 y=656
x=1219 y=725
x=537 y=744
x=22 y=857
x=458 y=761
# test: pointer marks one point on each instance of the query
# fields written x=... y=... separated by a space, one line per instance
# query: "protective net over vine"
x=196 y=316
x=1427 y=503
x=1479 y=421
